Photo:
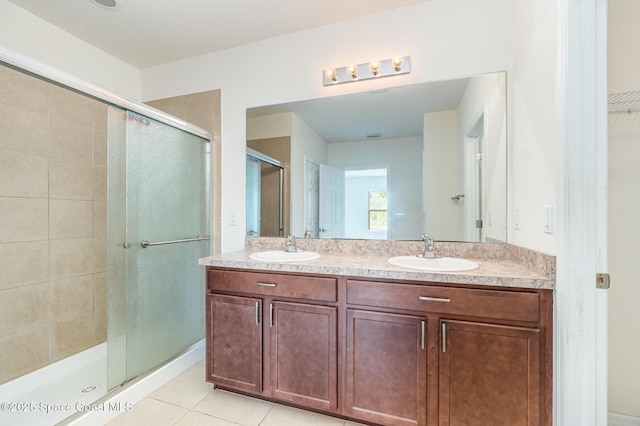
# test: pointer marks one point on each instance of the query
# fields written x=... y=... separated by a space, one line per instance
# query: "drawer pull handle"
x=434 y=299
x=266 y=284
x=422 y=334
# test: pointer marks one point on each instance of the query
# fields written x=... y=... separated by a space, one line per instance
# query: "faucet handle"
x=291 y=243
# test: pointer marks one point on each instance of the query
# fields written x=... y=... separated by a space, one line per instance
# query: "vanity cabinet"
x=234 y=342
x=489 y=374
x=266 y=336
x=386 y=368
x=383 y=352
x=484 y=352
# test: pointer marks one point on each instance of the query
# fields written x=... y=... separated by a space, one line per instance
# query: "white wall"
x=305 y=142
x=532 y=130
x=356 y=219
x=35 y=39
x=402 y=158
x=436 y=34
x=624 y=247
x=485 y=96
x=270 y=126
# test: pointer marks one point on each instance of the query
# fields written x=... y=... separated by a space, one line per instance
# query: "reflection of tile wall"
x=280 y=149
x=53 y=198
x=203 y=110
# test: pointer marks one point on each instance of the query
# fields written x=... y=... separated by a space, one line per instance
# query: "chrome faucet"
x=291 y=244
x=429 y=249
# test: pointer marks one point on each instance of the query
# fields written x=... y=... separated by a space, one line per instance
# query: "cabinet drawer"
x=499 y=304
x=299 y=287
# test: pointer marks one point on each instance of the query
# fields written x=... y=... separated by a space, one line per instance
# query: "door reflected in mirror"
x=387 y=164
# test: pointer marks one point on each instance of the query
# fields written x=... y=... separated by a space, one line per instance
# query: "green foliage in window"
x=377 y=210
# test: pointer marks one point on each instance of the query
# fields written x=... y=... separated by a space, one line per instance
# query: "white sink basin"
x=439 y=264
x=283 y=256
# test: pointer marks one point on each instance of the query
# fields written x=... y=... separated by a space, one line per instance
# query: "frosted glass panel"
x=167 y=200
x=253 y=196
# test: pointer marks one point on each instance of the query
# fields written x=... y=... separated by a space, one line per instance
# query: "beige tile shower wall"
x=280 y=149
x=53 y=169
x=203 y=110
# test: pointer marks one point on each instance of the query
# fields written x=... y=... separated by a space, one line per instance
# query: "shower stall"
x=104 y=213
x=265 y=195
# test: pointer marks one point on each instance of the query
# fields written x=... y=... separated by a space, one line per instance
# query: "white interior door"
x=311 y=197
x=331 y=202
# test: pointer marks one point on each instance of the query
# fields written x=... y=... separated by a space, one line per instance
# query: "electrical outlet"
x=489 y=218
x=516 y=218
x=233 y=218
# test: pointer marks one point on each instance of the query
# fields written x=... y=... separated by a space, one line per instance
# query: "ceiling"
x=393 y=113
x=145 y=33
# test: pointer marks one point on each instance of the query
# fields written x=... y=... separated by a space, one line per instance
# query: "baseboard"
x=616 y=419
x=118 y=401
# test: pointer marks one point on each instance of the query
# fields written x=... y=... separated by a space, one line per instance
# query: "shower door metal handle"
x=145 y=243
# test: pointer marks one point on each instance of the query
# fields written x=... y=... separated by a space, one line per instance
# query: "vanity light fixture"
x=368 y=70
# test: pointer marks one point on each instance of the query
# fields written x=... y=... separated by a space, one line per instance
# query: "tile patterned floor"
x=190 y=401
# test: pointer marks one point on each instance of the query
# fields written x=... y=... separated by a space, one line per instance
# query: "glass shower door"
x=166 y=231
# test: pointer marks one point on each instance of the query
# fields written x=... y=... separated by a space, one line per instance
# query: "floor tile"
x=186 y=390
x=235 y=408
x=150 y=412
x=199 y=419
x=286 y=416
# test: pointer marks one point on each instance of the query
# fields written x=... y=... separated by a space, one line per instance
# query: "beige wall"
x=53 y=172
x=624 y=234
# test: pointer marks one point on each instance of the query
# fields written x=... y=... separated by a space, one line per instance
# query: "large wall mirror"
x=385 y=164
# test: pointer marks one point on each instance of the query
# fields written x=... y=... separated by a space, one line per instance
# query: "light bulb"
x=353 y=70
x=331 y=74
x=374 y=66
x=397 y=63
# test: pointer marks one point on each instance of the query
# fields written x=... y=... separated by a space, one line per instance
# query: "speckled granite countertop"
x=499 y=264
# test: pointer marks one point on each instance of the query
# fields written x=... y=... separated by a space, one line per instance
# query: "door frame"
x=580 y=335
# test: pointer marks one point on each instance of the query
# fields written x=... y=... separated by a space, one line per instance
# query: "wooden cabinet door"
x=303 y=354
x=234 y=340
x=489 y=375
x=386 y=368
